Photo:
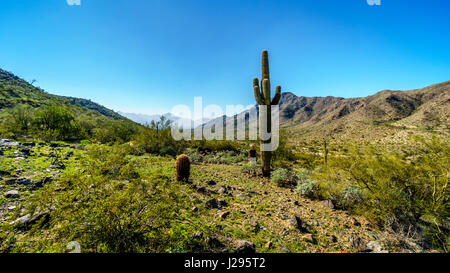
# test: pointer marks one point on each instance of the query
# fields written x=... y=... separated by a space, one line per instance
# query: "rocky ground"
x=242 y=213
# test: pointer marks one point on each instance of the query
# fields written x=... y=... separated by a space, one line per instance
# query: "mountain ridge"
x=331 y=117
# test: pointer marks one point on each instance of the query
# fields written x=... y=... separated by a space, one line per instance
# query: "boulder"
x=213 y=242
x=222 y=203
x=211 y=183
x=25 y=151
x=29 y=144
x=57 y=167
x=328 y=203
x=245 y=247
x=12 y=194
x=212 y=204
x=356 y=242
x=308 y=237
x=374 y=247
x=24 y=181
x=297 y=223
x=224 y=214
x=25 y=222
x=8 y=143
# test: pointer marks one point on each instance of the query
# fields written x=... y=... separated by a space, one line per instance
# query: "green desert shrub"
x=284 y=155
x=251 y=168
x=115 y=131
x=351 y=196
x=105 y=206
x=387 y=186
x=194 y=155
x=284 y=178
x=306 y=186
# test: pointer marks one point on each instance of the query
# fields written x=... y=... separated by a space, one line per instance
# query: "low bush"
x=284 y=178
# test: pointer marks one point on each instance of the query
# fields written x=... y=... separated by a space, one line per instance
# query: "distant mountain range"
x=386 y=114
x=374 y=117
x=147 y=119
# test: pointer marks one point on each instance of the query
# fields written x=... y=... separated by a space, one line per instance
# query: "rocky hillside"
x=422 y=109
x=14 y=91
x=385 y=114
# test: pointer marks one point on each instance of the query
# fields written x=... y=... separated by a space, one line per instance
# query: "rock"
x=25 y=222
x=356 y=242
x=222 y=203
x=12 y=194
x=25 y=151
x=57 y=167
x=374 y=247
x=297 y=223
x=308 y=237
x=29 y=144
x=223 y=190
x=11 y=207
x=8 y=143
x=24 y=181
x=212 y=204
x=245 y=247
x=201 y=190
x=414 y=247
x=334 y=239
x=41 y=182
x=328 y=203
x=10 y=181
x=241 y=195
x=211 y=183
x=224 y=214
x=213 y=242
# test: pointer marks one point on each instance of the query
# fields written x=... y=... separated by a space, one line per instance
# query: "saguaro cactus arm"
x=264 y=65
x=257 y=91
x=266 y=91
x=277 y=97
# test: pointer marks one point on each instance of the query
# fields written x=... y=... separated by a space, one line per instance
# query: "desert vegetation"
x=71 y=173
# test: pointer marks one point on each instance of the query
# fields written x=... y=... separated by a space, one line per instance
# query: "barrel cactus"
x=263 y=97
x=183 y=166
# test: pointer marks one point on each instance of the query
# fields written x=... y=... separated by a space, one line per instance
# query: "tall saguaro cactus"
x=263 y=97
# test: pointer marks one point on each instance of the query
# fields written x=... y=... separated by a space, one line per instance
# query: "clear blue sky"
x=146 y=56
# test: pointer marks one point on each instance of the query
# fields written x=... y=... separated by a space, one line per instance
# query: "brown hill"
x=388 y=114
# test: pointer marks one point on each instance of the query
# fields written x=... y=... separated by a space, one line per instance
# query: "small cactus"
x=183 y=166
x=325 y=152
